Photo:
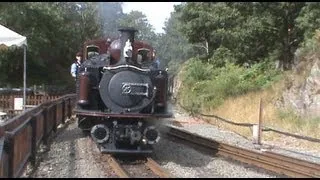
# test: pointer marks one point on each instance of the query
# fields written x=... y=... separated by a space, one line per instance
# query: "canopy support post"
x=24 y=76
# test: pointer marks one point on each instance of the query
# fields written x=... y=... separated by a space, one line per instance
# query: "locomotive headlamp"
x=151 y=134
x=100 y=133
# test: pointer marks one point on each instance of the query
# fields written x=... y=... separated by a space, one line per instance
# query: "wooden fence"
x=259 y=124
x=21 y=136
x=7 y=101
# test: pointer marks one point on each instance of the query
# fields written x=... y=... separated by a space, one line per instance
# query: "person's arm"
x=73 y=70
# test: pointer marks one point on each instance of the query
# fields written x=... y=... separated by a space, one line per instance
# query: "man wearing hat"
x=76 y=65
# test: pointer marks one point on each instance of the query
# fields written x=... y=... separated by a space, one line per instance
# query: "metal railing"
x=22 y=135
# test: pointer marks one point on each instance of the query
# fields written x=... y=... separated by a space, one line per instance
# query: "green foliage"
x=309 y=46
x=222 y=56
x=205 y=85
x=207 y=22
x=172 y=47
x=309 y=19
x=197 y=71
x=249 y=30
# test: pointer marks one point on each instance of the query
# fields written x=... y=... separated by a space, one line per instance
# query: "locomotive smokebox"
x=126 y=44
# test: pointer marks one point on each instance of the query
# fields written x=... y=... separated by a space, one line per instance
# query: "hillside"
x=291 y=102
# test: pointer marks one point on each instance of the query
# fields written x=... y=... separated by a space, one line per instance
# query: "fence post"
x=69 y=108
x=4 y=157
x=257 y=127
x=34 y=141
x=45 y=122
x=63 y=112
x=10 y=151
x=55 y=118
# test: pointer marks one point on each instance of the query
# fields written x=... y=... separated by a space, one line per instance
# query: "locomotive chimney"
x=125 y=35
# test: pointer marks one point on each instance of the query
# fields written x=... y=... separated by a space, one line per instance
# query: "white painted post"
x=255 y=133
x=257 y=128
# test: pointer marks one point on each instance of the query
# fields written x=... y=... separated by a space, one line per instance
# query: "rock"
x=304 y=98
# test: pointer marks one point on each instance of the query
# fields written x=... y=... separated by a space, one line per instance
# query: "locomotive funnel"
x=126 y=44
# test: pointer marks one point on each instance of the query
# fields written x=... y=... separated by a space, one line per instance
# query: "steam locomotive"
x=121 y=99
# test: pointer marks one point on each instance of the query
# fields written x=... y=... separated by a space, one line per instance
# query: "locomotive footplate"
x=111 y=149
x=124 y=115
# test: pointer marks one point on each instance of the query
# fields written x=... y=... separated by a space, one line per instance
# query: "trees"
x=206 y=23
x=55 y=32
x=139 y=21
x=238 y=32
x=172 y=47
x=309 y=19
x=252 y=31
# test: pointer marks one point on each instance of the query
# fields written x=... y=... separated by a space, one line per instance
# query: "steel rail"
x=267 y=160
x=157 y=169
x=120 y=169
x=117 y=167
x=148 y=162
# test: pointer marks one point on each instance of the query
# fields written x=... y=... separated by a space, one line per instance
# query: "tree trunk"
x=286 y=57
x=207 y=47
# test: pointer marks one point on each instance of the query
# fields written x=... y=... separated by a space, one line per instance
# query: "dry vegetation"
x=245 y=109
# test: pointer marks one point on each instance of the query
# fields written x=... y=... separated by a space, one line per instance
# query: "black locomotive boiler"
x=121 y=100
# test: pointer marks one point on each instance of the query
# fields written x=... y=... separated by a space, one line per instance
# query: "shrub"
x=206 y=86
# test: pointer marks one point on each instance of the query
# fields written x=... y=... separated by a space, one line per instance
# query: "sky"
x=156 y=12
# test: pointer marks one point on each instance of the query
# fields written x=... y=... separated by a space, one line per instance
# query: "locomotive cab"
x=92 y=50
x=143 y=58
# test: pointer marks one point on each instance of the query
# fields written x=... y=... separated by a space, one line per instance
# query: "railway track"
x=129 y=166
x=276 y=163
x=137 y=167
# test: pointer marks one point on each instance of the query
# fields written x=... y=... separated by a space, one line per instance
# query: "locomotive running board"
x=124 y=115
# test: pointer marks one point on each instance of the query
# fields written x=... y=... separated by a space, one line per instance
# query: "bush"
x=206 y=86
x=197 y=71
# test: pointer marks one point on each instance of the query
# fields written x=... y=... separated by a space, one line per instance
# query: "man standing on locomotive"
x=156 y=63
x=76 y=65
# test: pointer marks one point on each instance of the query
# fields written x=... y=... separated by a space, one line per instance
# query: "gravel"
x=182 y=161
x=70 y=156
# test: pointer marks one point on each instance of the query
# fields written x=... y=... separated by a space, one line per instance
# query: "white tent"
x=11 y=38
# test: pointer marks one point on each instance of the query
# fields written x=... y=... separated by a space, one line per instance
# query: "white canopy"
x=9 y=37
